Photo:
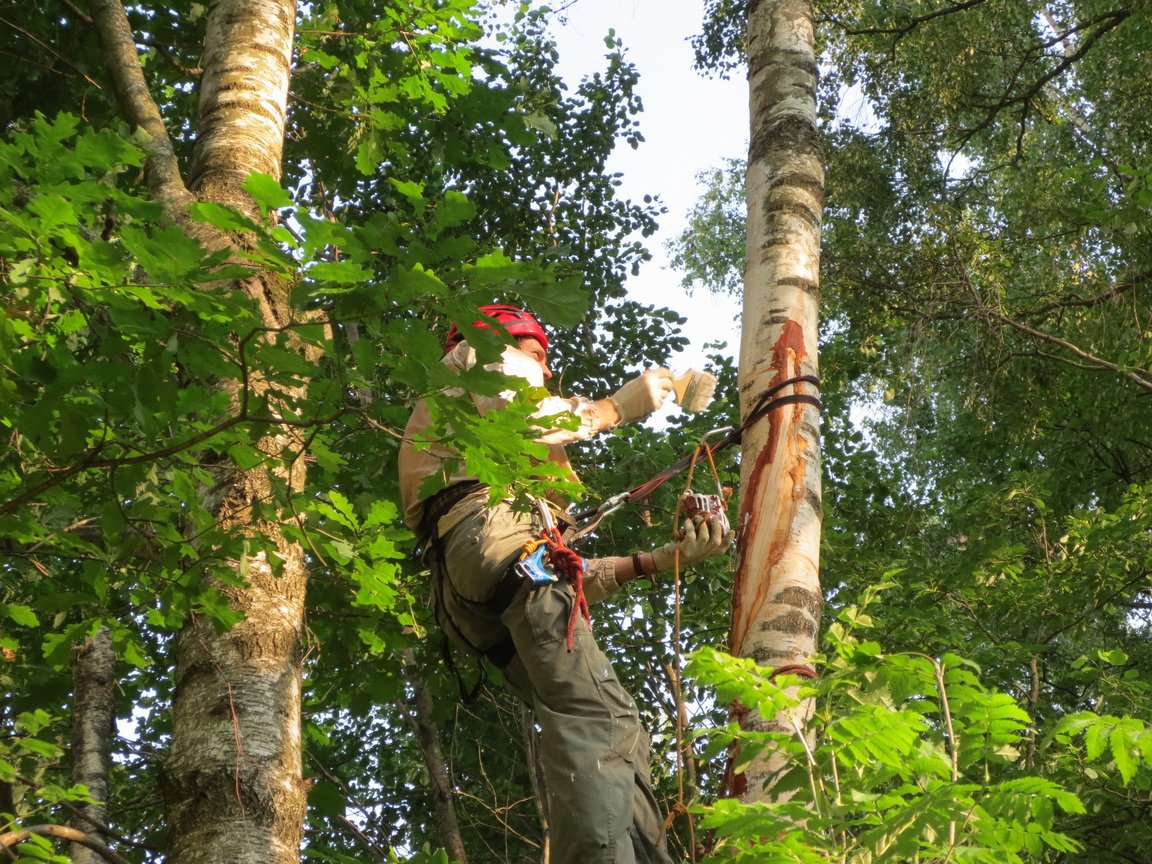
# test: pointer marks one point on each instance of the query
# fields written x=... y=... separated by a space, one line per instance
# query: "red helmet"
x=516 y=321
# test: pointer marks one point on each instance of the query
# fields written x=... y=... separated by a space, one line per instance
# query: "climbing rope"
x=563 y=562
x=570 y=565
x=680 y=808
x=767 y=403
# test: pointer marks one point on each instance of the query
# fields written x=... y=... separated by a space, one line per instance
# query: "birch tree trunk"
x=93 y=728
x=233 y=781
x=777 y=601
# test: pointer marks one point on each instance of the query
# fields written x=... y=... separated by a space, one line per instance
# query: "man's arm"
x=703 y=537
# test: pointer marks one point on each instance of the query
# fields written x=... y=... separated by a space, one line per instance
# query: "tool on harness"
x=535 y=564
x=535 y=568
x=545 y=560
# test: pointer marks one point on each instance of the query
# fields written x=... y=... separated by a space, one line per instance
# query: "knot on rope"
x=570 y=565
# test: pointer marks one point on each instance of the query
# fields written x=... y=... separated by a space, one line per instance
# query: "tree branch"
x=418 y=712
x=13 y=838
x=138 y=107
x=40 y=43
x=77 y=11
x=1096 y=362
x=93 y=728
x=907 y=28
x=1108 y=21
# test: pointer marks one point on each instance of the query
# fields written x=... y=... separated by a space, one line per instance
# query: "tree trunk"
x=233 y=782
x=777 y=602
x=419 y=713
x=93 y=728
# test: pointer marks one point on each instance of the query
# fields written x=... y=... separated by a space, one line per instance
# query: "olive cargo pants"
x=594 y=750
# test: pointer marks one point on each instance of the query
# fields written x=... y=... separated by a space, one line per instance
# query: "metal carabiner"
x=545 y=512
x=611 y=505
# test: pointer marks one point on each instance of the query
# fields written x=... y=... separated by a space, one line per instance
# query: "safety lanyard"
x=768 y=402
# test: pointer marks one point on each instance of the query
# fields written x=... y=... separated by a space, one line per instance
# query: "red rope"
x=570 y=565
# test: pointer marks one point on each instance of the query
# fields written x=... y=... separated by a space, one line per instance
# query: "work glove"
x=704 y=536
x=642 y=395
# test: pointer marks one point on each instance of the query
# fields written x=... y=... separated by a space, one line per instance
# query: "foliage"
x=137 y=375
x=985 y=280
x=907 y=758
x=985 y=362
x=710 y=250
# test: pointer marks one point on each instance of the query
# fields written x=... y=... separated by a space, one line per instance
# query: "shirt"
x=415 y=465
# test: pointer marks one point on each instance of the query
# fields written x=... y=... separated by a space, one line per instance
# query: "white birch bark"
x=777 y=601
x=243 y=96
x=93 y=728
x=233 y=782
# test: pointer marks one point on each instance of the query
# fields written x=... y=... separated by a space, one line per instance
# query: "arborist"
x=522 y=612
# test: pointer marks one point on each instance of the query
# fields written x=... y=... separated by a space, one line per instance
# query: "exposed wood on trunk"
x=93 y=728
x=777 y=601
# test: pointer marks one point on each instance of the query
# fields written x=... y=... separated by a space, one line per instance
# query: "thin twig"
x=40 y=43
x=953 y=747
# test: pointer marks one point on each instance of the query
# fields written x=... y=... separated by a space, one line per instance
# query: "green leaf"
x=22 y=615
x=339 y=271
x=1114 y=657
x=413 y=191
x=266 y=192
x=1121 y=749
x=541 y=122
x=564 y=305
x=454 y=209
x=219 y=216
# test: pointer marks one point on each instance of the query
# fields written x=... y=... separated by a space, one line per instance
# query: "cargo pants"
x=593 y=748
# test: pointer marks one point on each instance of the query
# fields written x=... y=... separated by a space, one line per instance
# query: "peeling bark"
x=777 y=601
x=93 y=728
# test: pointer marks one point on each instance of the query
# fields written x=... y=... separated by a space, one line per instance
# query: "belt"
x=438 y=505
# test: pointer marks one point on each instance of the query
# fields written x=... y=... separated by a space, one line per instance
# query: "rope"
x=680 y=808
x=569 y=564
x=765 y=405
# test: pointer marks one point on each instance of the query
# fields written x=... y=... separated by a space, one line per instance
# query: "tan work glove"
x=704 y=537
x=642 y=395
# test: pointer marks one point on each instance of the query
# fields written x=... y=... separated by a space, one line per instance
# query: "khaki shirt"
x=417 y=464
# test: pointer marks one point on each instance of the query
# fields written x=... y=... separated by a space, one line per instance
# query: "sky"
x=690 y=123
